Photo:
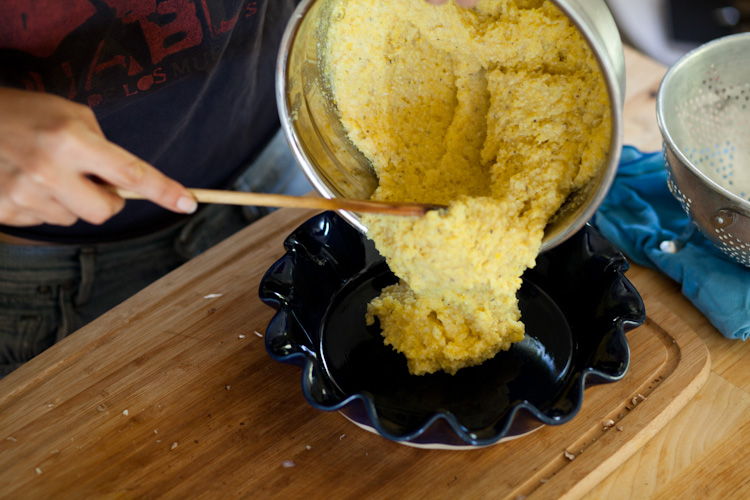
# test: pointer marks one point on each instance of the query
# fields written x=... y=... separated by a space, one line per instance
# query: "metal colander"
x=703 y=110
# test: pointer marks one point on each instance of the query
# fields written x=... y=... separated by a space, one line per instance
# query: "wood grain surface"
x=172 y=394
x=703 y=452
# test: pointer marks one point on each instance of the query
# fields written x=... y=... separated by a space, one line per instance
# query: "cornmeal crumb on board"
x=500 y=112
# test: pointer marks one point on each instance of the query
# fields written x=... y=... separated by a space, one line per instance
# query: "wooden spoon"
x=281 y=200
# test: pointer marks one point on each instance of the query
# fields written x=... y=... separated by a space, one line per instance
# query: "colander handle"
x=725 y=217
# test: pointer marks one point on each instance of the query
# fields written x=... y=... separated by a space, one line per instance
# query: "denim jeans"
x=47 y=292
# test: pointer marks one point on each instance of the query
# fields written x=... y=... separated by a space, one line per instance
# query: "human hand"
x=462 y=3
x=54 y=157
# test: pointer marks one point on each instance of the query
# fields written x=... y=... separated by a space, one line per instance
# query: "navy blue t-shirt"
x=186 y=85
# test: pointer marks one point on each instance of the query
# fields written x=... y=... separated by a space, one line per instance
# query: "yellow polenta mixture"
x=500 y=112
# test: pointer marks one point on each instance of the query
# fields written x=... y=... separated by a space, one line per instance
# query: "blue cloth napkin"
x=639 y=213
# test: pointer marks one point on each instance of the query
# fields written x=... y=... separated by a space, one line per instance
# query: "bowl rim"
x=661 y=113
x=609 y=56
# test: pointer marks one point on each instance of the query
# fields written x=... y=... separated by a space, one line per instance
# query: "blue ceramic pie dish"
x=576 y=305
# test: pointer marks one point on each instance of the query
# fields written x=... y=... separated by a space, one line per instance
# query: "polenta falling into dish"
x=500 y=112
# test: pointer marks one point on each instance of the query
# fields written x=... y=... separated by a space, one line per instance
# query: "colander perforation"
x=702 y=106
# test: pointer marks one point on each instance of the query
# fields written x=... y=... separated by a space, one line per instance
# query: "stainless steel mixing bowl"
x=703 y=110
x=336 y=168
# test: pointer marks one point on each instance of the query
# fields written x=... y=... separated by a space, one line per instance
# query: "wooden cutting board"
x=172 y=394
